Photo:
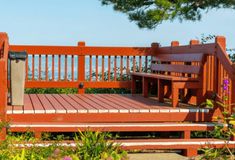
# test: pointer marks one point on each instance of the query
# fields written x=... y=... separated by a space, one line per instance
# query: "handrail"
x=225 y=61
x=83 y=50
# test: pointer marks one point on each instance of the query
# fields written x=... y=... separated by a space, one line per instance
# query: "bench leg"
x=133 y=85
x=145 y=87
x=175 y=95
x=199 y=96
x=167 y=90
x=160 y=91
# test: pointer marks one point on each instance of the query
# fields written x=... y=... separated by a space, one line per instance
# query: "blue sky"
x=64 y=22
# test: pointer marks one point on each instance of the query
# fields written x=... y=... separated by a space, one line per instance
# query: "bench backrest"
x=187 y=65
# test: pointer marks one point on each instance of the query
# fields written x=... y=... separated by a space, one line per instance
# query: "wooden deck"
x=101 y=108
x=94 y=103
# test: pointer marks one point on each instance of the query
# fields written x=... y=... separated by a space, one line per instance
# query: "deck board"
x=98 y=107
x=69 y=108
x=119 y=102
x=28 y=107
x=134 y=107
x=58 y=107
x=94 y=103
x=38 y=108
x=76 y=106
x=113 y=108
x=83 y=103
x=46 y=104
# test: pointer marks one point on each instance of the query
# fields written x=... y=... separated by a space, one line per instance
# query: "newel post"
x=175 y=43
x=3 y=82
x=81 y=69
x=221 y=40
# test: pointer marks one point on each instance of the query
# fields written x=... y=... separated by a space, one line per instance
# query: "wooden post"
x=81 y=70
x=160 y=91
x=219 y=40
x=175 y=95
x=155 y=46
x=187 y=134
x=168 y=88
x=3 y=97
x=194 y=99
x=145 y=87
x=190 y=152
x=133 y=85
x=3 y=82
x=175 y=43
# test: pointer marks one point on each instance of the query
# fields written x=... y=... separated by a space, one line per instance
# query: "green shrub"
x=94 y=146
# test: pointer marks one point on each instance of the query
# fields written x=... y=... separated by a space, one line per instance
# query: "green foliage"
x=224 y=127
x=90 y=146
x=94 y=146
x=150 y=13
x=51 y=90
x=232 y=55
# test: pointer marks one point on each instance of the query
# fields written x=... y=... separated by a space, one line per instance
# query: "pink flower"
x=67 y=158
x=225 y=88
x=226 y=81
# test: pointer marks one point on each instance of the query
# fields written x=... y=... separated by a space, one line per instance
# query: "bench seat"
x=165 y=77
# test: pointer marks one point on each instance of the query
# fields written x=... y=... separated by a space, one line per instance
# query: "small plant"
x=224 y=128
x=95 y=146
x=90 y=146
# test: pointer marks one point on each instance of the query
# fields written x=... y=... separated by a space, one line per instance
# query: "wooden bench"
x=173 y=72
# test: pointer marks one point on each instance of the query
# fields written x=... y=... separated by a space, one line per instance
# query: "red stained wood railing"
x=108 y=67
x=106 y=63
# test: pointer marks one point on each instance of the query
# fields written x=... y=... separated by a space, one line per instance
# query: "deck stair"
x=189 y=147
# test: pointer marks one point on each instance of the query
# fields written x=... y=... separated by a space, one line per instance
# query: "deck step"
x=189 y=146
x=73 y=127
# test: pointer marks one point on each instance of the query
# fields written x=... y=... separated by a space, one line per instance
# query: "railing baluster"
x=140 y=63
x=134 y=66
x=66 y=68
x=59 y=67
x=33 y=67
x=115 y=68
x=39 y=67
x=109 y=67
x=53 y=67
x=146 y=63
x=26 y=69
x=72 y=67
x=46 y=67
x=121 y=68
x=90 y=68
x=96 y=68
x=102 y=68
x=127 y=66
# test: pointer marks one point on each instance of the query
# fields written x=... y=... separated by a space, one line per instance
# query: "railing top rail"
x=83 y=50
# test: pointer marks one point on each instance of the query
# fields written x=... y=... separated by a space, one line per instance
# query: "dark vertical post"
x=81 y=69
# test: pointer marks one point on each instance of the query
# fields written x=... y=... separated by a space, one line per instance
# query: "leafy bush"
x=89 y=146
x=94 y=146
